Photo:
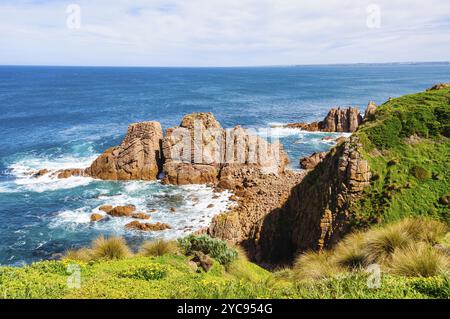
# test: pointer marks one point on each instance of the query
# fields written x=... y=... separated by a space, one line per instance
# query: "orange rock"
x=106 y=208
x=147 y=226
x=122 y=211
x=96 y=217
x=140 y=216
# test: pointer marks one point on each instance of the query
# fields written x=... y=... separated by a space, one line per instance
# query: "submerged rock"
x=140 y=216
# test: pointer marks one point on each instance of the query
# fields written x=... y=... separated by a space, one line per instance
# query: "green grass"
x=410 y=173
x=170 y=276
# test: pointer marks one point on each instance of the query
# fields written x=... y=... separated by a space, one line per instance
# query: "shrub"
x=313 y=266
x=216 y=248
x=150 y=272
x=380 y=243
x=348 y=252
x=420 y=173
x=419 y=260
x=110 y=248
x=159 y=248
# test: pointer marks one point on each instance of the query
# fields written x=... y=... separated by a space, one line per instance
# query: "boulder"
x=140 y=216
x=312 y=161
x=202 y=260
x=122 y=211
x=66 y=173
x=106 y=208
x=135 y=225
x=41 y=172
x=96 y=217
x=138 y=157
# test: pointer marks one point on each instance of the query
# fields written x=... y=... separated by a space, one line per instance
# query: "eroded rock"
x=135 y=225
x=138 y=157
x=312 y=161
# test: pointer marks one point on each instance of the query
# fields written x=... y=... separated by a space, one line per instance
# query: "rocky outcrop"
x=202 y=260
x=337 y=120
x=138 y=157
x=96 y=217
x=318 y=211
x=341 y=120
x=200 y=151
x=257 y=195
x=439 y=86
x=370 y=111
x=135 y=225
x=312 y=161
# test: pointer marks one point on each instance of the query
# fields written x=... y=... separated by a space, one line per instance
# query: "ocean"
x=63 y=117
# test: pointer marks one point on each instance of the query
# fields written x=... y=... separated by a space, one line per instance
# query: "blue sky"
x=224 y=32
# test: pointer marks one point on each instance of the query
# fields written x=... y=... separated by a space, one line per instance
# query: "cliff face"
x=317 y=212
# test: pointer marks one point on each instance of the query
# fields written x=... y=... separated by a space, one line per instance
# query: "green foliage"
x=436 y=287
x=150 y=272
x=216 y=248
x=411 y=131
x=420 y=173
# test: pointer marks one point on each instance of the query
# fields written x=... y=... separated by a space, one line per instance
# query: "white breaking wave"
x=24 y=169
x=191 y=215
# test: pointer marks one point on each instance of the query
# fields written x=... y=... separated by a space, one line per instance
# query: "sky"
x=222 y=32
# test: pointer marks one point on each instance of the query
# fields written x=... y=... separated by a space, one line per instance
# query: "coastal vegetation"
x=416 y=270
x=398 y=212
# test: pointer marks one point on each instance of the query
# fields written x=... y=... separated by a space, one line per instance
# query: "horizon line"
x=223 y=67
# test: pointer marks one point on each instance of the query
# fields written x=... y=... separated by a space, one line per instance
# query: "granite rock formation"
x=200 y=151
x=337 y=120
x=138 y=157
x=312 y=161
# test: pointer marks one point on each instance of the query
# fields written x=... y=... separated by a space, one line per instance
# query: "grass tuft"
x=314 y=266
x=419 y=260
x=110 y=248
x=159 y=248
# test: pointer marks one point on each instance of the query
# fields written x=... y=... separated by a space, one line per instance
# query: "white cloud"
x=223 y=32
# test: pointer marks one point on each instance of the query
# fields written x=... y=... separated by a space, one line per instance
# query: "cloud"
x=223 y=32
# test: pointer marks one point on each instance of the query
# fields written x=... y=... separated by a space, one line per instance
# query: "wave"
x=24 y=168
x=193 y=210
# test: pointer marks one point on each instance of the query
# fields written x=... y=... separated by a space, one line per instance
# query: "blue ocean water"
x=61 y=117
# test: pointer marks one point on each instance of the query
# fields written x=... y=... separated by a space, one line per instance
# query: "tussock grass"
x=110 y=248
x=315 y=266
x=380 y=243
x=419 y=260
x=348 y=252
x=424 y=229
x=159 y=248
x=83 y=254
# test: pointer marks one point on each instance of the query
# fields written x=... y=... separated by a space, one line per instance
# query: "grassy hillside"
x=170 y=276
x=407 y=145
